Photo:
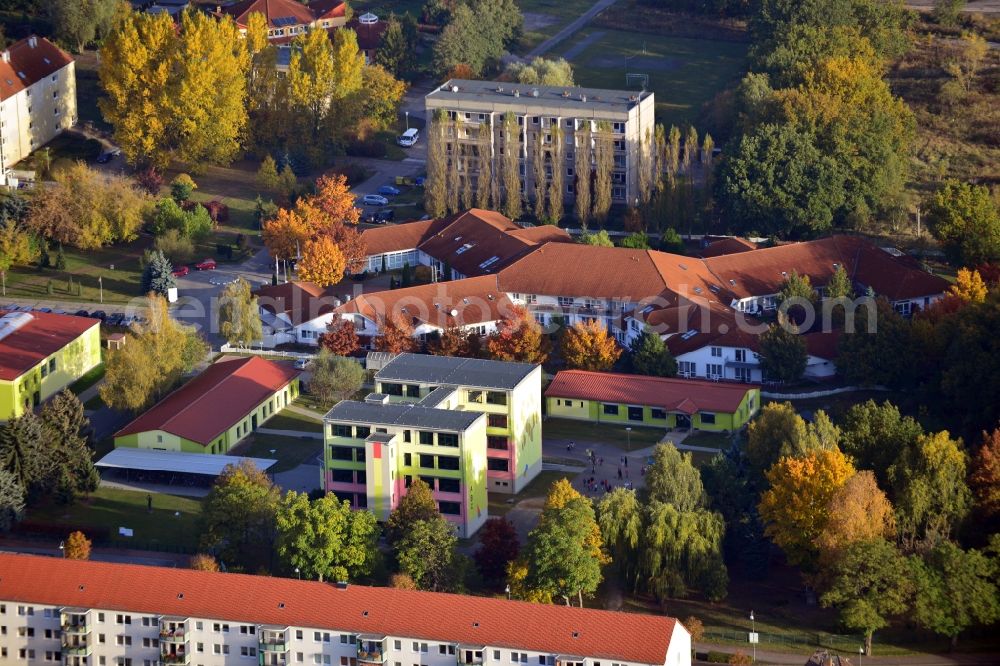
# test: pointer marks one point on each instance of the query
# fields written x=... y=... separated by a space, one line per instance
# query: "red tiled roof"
x=215 y=400
x=286 y=602
x=760 y=272
x=301 y=301
x=484 y=234
x=369 y=34
x=42 y=335
x=324 y=9
x=543 y=233
x=673 y=395
x=823 y=344
x=474 y=300
x=271 y=9
x=399 y=237
x=723 y=246
x=35 y=58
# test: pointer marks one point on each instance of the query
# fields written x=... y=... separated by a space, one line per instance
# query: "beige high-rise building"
x=625 y=118
x=37 y=97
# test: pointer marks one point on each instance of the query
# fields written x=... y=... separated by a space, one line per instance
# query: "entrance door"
x=253 y=422
x=683 y=421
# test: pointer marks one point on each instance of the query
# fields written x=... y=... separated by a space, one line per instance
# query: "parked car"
x=419 y=181
x=302 y=364
x=384 y=216
x=206 y=265
x=388 y=190
x=181 y=271
x=374 y=200
x=45 y=310
x=104 y=158
x=99 y=314
x=115 y=319
x=82 y=313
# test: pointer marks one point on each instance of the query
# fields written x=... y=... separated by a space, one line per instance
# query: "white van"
x=408 y=138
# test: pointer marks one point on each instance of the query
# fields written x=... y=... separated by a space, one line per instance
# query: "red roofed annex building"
x=606 y=397
x=287 y=19
x=37 y=97
x=214 y=411
x=42 y=353
x=165 y=615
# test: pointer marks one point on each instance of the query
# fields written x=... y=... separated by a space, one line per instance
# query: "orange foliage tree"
x=285 y=234
x=587 y=346
x=334 y=197
x=322 y=262
x=77 y=546
x=395 y=335
x=340 y=338
x=202 y=562
x=453 y=341
x=518 y=338
x=985 y=477
x=796 y=508
x=858 y=511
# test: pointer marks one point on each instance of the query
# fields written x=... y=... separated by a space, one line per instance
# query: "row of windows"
x=424 y=437
x=633 y=412
x=427 y=461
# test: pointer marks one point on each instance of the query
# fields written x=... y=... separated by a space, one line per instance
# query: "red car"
x=206 y=265
x=181 y=272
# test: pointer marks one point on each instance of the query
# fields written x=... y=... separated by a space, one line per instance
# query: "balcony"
x=176 y=658
x=77 y=650
x=273 y=645
x=470 y=655
x=75 y=629
x=173 y=635
x=371 y=650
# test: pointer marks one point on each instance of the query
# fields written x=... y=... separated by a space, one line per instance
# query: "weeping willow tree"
x=581 y=205
x=555 y=212
x=436 y=190
x=619 y=515
x=484 y=178
x=604 y=159
x=511 y=167
x=682 y=549
x=538 y=176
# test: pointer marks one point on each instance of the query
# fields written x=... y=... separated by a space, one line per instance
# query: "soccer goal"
x=634 y=79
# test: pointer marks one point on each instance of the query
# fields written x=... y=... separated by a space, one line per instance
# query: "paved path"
x=304 y=411
x=120 y=555
x=303 y=479
x=570 y=29
x=301 y=434
x=765 y=656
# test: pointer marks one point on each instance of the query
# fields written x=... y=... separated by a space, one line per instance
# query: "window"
x=447 y=439
x=449 y=485
x=342 y=453
x=496 y=420
x=407 y=459
x=342 y=476
x=496 y=442
x=687 y=368
x=497 y=465
x=448 y=462
x=717 y=352
x=426 y=437
x=714 y=370
x=610 y=410
x=392 y=389
x=342 y=430
x=426 y=461
x=741 y=355
x=634 y=413
x=658 y=414
x=419 y=647
x=565 y=301
x=496 y=398
x=707 y=418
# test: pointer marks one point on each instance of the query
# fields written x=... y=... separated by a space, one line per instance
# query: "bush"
x=718 y=657
x=366 y=148
x=150 y=180
x=176 y=246
x=354 y=173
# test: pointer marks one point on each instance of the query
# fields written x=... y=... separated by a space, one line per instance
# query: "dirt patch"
x=534 y=21
x=642 y=64
x=973 y=6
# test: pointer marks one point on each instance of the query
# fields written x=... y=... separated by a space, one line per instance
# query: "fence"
x=838 y=642
x=231 y=349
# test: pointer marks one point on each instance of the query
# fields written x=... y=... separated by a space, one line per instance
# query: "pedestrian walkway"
x=290 y=433
x=13 y=544
x=304 y=411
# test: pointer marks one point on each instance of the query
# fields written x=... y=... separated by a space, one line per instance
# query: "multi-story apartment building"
x=481 y=106
x=80 y=613
x=37 y=97
x=464 y=426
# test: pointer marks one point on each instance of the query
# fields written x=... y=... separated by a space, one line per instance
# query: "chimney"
x=32 y=41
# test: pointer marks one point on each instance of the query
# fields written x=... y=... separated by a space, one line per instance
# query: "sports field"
x=684 y=73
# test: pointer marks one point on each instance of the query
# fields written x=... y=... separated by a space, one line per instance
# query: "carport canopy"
x=149 y=460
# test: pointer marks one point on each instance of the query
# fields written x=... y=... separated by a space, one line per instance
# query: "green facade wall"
x=71 y=362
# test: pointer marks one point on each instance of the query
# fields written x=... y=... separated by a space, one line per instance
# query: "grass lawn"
x=289 y=420
x=111 y=508
x=684 y=73
x=584 y=431
x=544 y=18
x=117 y=266
x=715 y=440
x=408 y=204
x=290 y=452
x=500 y=504
x=89 y=379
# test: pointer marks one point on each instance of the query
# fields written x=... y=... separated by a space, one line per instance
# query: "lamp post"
x=628 y=439
x=753 y=636
x=861 y=652
x=100 y=285
x=62 y=549
x=407 y=113
x=507 y=590
x=298 y=574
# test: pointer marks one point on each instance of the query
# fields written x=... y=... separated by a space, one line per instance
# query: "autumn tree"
x=203 y=562
x=539 y=182
x=556 y=188
x=340 y=338
x=436 y=187
x=966 y=219
x=395 y=334
x=322 y=262
x=324 y=539
x=311 y=76
x=239 y=314
x=929 y=488
x=511 y=167
x=77 y=546
x=334 y=197
x=453 y=341
x=381 y=94
x=285 y=234
x=649 y=355
x=80 y=23
x=778 y=432
x=238 y=518
x=587 y=346
x=542 y=72
x=985 y=476
x=518 y=337
x=417 y=504
x=603 y=165
x=498 y=546
x=797 y=504
x=875 y=435
x=969 y=286
x=857 y=511
x=869 y=584
x=582 y=173
x=267 y=174
x=334 y=378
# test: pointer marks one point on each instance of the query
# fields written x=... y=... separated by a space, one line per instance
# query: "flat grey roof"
x=477 y=372
x=174 y=461
x=401 y=414
x=569 y=97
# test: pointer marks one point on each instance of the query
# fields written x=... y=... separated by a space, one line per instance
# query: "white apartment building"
x=37 y=97
x=81 y=613
x=482 y=105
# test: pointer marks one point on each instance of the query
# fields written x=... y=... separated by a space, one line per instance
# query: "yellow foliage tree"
x=969 y=286
x=562 y=493
x=285 y=234
x=202 y=562
x=208 y=99
x=77 y=546
x=796 y=508
x=311 y=76
x=587 y=346
x=322 y=262
x=858 y=511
